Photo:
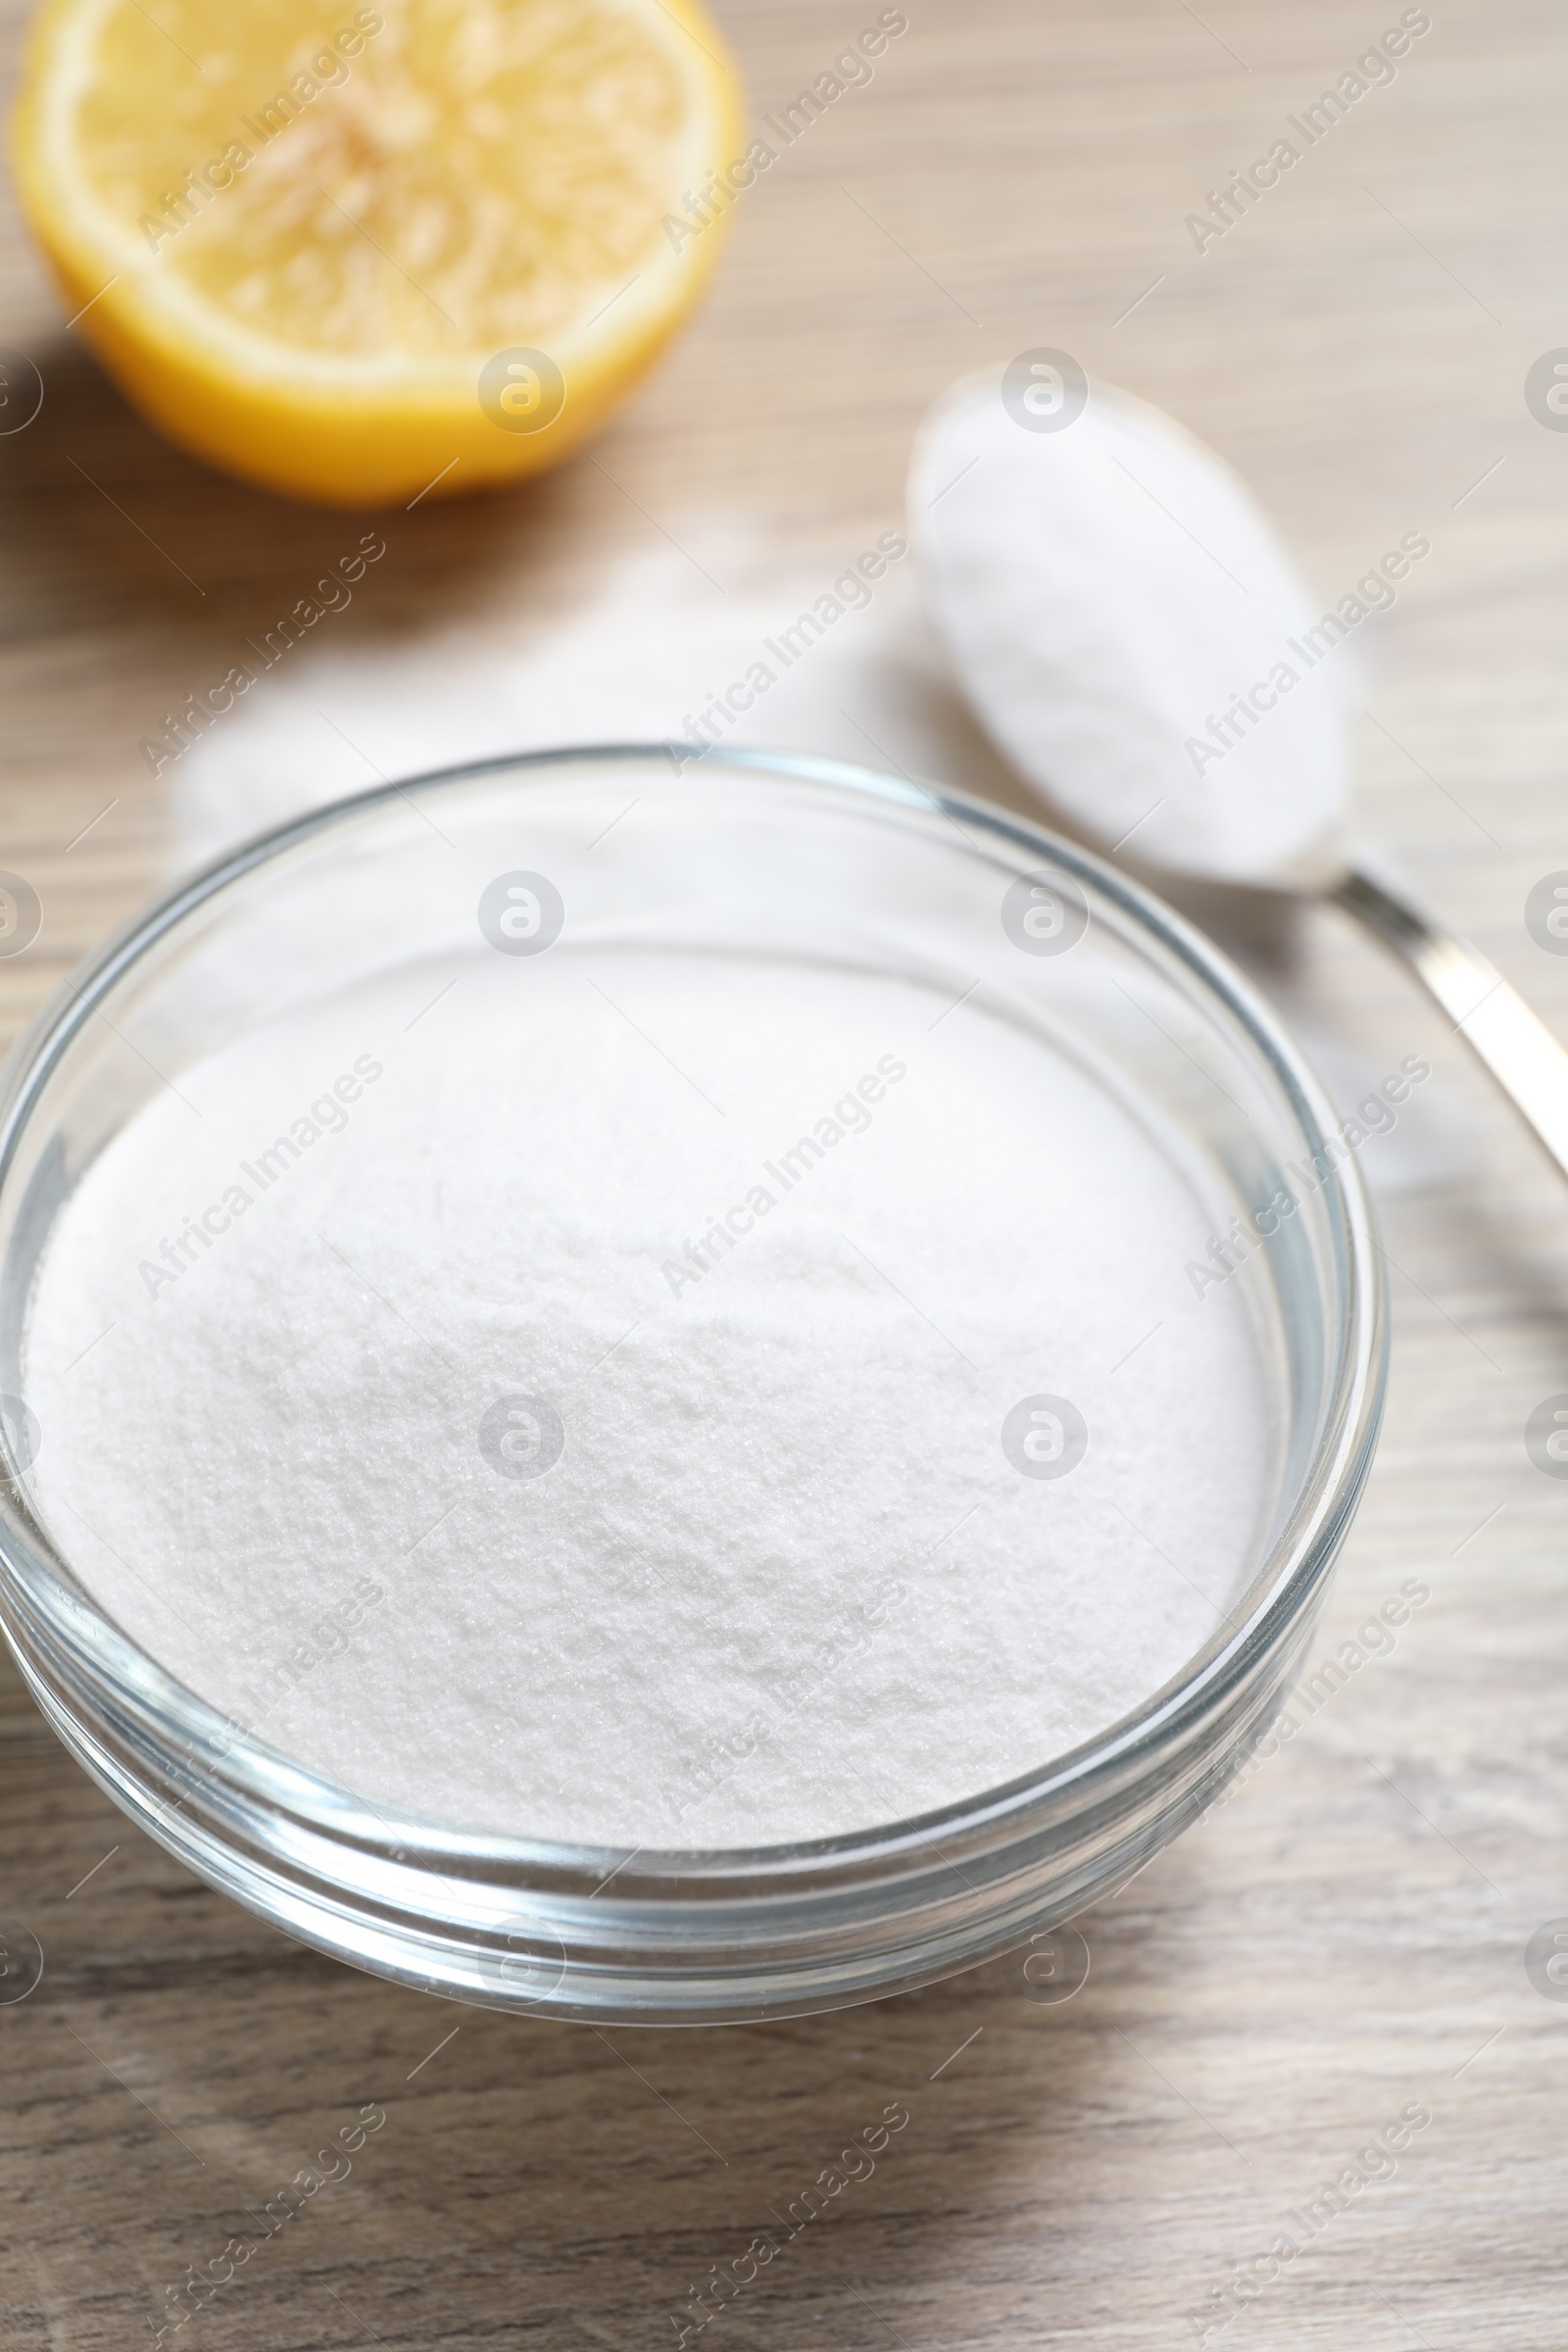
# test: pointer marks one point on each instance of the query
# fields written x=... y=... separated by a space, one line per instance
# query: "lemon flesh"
x=358 y=254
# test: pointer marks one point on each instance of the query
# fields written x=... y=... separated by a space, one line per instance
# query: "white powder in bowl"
x=543 y=1439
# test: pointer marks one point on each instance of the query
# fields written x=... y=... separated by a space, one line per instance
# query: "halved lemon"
x=359 y=254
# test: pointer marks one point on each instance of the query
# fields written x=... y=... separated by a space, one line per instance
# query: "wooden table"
x=1346 y=1938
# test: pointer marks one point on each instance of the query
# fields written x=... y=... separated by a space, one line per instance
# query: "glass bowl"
x=738 y=853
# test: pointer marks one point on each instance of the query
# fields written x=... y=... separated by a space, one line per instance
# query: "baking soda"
x=1131 y=632
x=648 y=1399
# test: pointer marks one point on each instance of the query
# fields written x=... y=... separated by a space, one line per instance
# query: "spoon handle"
x=1495 y=1022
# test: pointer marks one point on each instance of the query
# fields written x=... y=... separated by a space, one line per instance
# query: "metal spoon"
x=1123 y=617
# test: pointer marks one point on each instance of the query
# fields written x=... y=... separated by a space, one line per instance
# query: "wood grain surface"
x=1344 y=1939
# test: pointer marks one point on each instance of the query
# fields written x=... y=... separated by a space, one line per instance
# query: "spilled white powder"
x=782 y=1581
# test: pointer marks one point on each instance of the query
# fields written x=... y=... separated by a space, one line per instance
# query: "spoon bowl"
x=1135 y=637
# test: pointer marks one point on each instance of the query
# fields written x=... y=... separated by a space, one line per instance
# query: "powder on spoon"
x=1131 y=632
x=544 y=1439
